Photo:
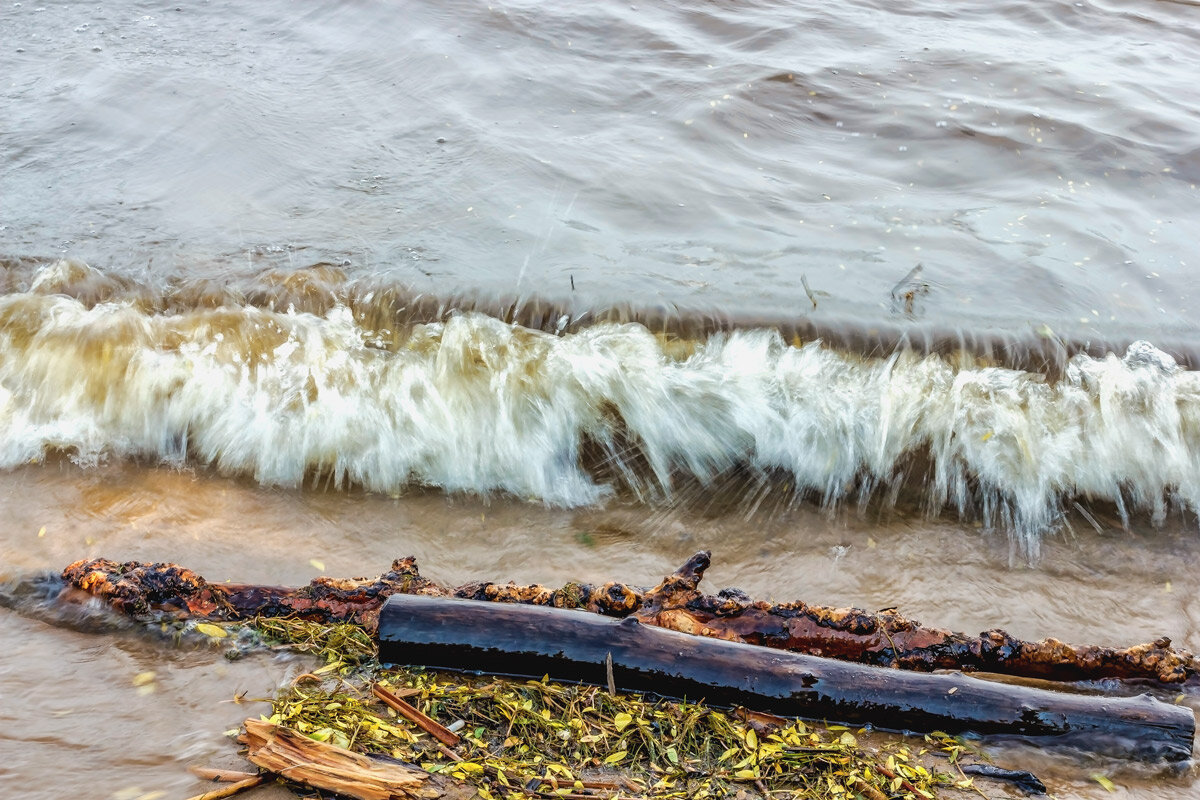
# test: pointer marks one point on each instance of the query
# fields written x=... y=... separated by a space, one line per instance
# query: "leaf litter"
x=543 y=739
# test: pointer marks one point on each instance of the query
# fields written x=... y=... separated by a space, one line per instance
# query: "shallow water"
x=1111 y=588
x=885 y=305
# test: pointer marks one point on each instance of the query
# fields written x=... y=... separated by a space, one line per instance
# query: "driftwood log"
x=884 y=638
x=531 y=641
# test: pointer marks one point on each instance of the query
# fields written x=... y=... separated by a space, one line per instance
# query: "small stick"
x=430 y=726
x=448 y=753
x=608 y=669
x=612 y=786
x=306 y=676
x=908 y=787
x=231 y=789
x=868 y=791
x=808 y=291
x=222 y=775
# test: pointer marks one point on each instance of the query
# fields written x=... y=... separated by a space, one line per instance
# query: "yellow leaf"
x=616 y=757
x=746 y=774
x=751 y=739
x=317 y=565
x=849 y=740
x=622 y=721
x=143 y=679
x=1103 y=781
x=988 y=435
x=42 y=532
x=214 y=631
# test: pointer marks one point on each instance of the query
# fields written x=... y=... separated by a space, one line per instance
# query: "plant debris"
x=523 y=739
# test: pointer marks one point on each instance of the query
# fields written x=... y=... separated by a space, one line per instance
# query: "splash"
x=476 y=404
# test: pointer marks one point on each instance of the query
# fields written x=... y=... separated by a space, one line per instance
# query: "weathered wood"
x=320 y=765
x=221 y=775
x=886 y=638
x=232 y=789
x=531 y=641
x=883 y=638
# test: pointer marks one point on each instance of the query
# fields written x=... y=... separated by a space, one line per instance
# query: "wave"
x=475 y=403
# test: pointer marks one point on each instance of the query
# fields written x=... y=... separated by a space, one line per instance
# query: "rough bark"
x=531 y=641
x=884 y=638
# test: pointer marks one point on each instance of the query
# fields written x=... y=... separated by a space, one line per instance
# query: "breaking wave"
x=475 y=404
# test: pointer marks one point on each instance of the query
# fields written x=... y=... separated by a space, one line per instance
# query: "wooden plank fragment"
x=324 y=766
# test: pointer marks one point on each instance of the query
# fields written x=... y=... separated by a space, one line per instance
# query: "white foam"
x=476 y=405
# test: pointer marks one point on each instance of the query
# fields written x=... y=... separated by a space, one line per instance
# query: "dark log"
x=883 y=638
x=533 y=641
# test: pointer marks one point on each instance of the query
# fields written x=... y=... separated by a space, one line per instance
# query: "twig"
x=231 y=789
x=868 y=791
x=222 y=775
x=612 y=681
x=306 y=676
x=908 y=787
x=430 y=726
x=887 y=633
x=448 y=753
x=808 y=291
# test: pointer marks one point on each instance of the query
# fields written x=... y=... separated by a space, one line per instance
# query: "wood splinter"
x=221 y=775
x=231 y=789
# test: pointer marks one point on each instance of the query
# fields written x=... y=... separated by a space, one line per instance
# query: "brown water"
x=72 y=699
x=285 y=206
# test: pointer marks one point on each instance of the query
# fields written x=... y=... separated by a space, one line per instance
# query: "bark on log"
x=531 y=641
x=884 y=638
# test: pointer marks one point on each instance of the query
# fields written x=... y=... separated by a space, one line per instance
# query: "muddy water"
x=73 y=692
x=285 y=209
